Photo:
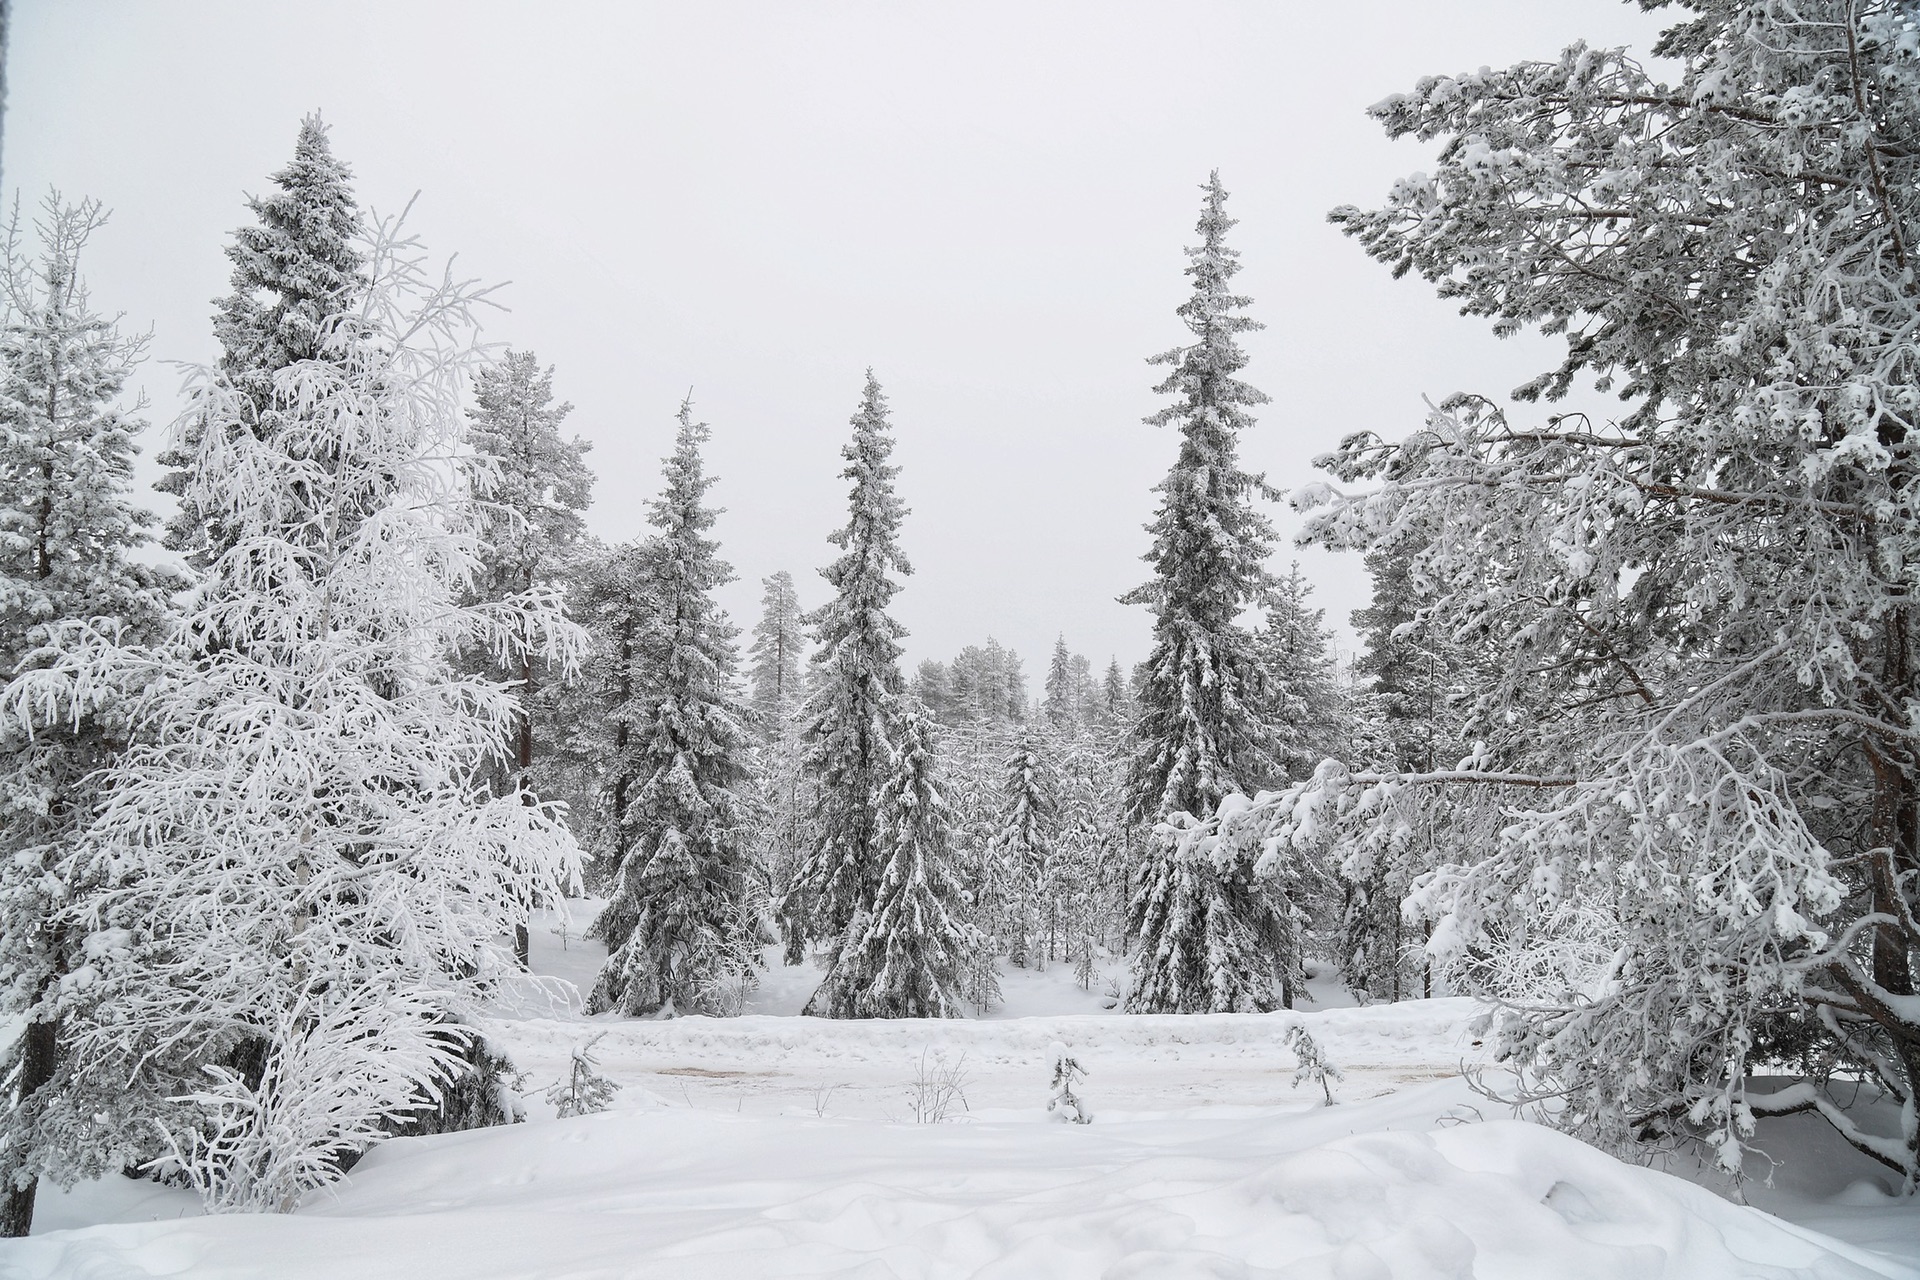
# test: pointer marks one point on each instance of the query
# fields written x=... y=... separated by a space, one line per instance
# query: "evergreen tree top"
x=1060 y=707
x=780 y=619
x=777 y=645
x=680 y=512
x=297 y=269
x=537 y=485
x=1203 y=372
x=873 y=526
x=685 y=560
x=869 y=541
x=1210 y=544
x=67 y=524
x=514 y=417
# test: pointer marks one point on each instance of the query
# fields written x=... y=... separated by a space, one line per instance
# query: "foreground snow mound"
x=1363 y=1192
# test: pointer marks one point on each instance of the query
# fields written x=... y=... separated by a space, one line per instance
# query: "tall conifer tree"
x=1023 y=847
x=1201 y=730
x=1302 y=700
x=779 y=646
x=1062 y=705
x=616 y=596
x=1417 y=694
x=856 y=687
x=1116 y=698
x=683 y=869
x=534 y=489
x=67 y=535
x=1201 y=733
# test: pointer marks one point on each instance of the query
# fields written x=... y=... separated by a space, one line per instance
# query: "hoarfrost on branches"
x=68 y=537
x=1700 y=716
x=295 y=853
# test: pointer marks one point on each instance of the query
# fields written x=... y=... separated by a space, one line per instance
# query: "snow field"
x=1398 y=1188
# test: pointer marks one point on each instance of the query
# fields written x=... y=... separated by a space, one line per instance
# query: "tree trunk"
x=1426 y=967
x=42 y=1043
x=523 y=761
x=1893 y=817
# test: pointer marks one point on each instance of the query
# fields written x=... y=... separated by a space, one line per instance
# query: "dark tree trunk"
x=523 y=761
x=1893 y=816
x=41 y=1044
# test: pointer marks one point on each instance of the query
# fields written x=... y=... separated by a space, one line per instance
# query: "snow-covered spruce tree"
x=1086 y=692
x=1003 y=686
x=1302 y=699
x=293 y=852
x=615 y=595
x=298 y=273
x=986 y=686
x=534 y=489
x=1116 y=697
x=585 y=1091
x=903 y=953
x=571 y=739
x=1311 y=713
x=1022 y=849
x=1703 y=614
x=856 y=682
x=969 y=777
x=1088 y=880
x=779 y=645
x=684 y=863
x=1414 y=698
x=1211 y=938
x=67 y=536
x=1062 y=703
x=932 y=686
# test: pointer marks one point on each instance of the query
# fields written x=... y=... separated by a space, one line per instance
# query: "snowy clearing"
x=771 y=1145
x=1369 y=1190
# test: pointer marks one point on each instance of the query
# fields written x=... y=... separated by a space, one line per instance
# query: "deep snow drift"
x=771 y=1145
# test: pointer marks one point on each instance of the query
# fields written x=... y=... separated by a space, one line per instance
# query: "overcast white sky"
x=984 y=201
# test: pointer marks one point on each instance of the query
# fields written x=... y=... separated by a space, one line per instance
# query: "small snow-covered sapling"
x=585 y=1090
x=1083 y=970
x=1313 y=1062
x=1065 y=1104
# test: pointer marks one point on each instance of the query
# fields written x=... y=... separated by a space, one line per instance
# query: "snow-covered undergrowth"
x=771 y=1145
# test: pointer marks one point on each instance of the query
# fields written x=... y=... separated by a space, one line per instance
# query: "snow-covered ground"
x=771 y=1145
